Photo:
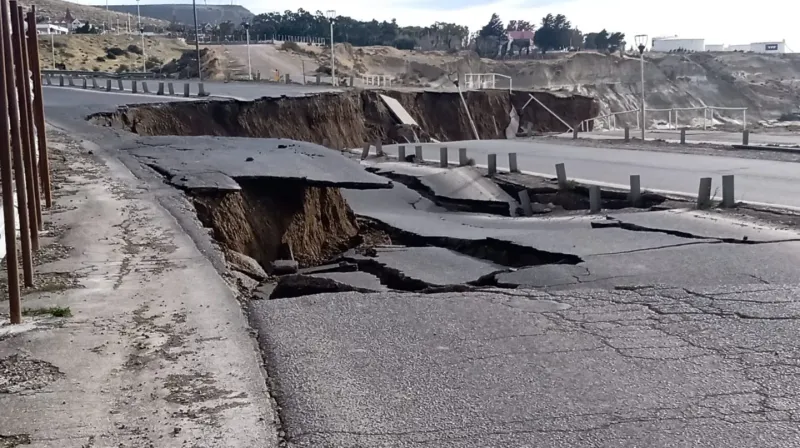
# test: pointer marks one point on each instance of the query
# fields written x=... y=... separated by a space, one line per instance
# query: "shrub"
x=290 y=46
x=123 y=68
x=95 y=69
x=100 y=59
x=405 y=43
x=110 y=56
x=135 y=49
x=116 y=51
x=59 y=45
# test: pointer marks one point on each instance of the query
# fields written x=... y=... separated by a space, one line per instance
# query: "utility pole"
x=197 y=42
x=641 y=41
x=332 y=17
x=249 y=64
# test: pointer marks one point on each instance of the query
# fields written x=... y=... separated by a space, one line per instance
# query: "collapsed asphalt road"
x=632 y=329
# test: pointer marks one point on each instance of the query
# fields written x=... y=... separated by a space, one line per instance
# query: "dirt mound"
x=277 y=219
x=347 y=120
x=91 y=51
x=185 y=67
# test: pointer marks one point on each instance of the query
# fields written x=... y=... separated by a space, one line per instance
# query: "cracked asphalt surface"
x=675 y=334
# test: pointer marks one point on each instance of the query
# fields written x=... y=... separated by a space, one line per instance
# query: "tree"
x=555 y=33
x=87 y=28
x=601 y=40
x=589 y=41
x=519 y=25
x=494 y=28
x=616 y=41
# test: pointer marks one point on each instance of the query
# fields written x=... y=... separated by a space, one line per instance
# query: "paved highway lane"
x=778 y=137
x=761 y=181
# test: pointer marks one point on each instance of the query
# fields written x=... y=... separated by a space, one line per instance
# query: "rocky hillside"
x=56 y=10
x=183 y=13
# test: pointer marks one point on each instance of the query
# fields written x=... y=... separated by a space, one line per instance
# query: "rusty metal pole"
x=28 y=97
x=38 y=108
x=19 y=75
x=16 y=145
x=12 y=261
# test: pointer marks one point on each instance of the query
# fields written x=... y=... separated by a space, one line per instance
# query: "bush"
x=135 y=49
x=123 y=68
x=116 y=51
x=405 y=43
x=59 y=45
x=95 y=69
x=153 y=62
x=291 y=46
x=110 y=56
x=100 y=59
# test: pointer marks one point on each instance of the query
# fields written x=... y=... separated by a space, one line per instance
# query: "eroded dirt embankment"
x=272 y=219
x=349 y=119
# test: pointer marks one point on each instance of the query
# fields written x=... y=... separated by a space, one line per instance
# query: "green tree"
x=494 y=28
x=616 y=41
x=519 y=25
x=601 y=40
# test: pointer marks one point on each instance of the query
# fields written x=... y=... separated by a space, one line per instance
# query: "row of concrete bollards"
x=745 y=136
x=595 y=202
x=145 y=88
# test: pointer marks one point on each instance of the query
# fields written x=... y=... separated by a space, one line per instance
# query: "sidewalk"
x=130 y=337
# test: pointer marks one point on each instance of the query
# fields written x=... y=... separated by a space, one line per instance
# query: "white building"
x=667 y=44
x=48 y=28
x=714 y=47
x=768 y=47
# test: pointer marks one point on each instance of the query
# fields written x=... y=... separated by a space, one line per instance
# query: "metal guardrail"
x=93 y=74
x=672 y=116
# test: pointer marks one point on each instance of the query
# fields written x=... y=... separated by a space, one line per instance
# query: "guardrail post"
x=462 y=157
x=365 y=151
x=160 y=90
x=186 y=89
x=512 y=163
x=418 y=154
x=49 y=81
x=704 y=194
x=378 y=147
x=745 y=137
x=744 y=119
x=627 y=134
x=525 y=202
x=94 y=83
x=71 y=82
x=319 y=80
x=134 y=86
x=492 y=164
x=683 y=136
x=85 y=83
x=705 y=118
x=171 y=88
x=145 y=87
x=287 y=79
x=728 y=200
x=443 y=157
x=636 y=190
x=121 y=85
x=561 y=175
x=594 y=199
x=401 y=153
x=201 y=89
x=108 y=85
x=61 y=81
x=575 y=134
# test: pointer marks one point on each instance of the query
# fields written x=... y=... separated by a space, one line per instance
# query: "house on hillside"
x=49 y=28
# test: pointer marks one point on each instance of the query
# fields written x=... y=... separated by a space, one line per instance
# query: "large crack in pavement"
x=619 y=224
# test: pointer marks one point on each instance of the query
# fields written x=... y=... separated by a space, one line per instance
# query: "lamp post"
x=249 y=64
x=197 y=42
x=53 y=46
x=332 y=17
x=138 y=14
x=641 y=42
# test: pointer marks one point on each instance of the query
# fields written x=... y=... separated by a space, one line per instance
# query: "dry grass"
x=89 y=52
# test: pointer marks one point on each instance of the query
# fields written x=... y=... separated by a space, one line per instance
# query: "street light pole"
x=331 y=16
x=139 y=14
x=144 y=52
x=641 y=42
x=53 y=47
x=197 y=41
x=249 y=64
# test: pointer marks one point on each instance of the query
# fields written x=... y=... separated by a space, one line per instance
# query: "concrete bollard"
x=287 y=79
x=683 y=136
x=443 y=157
x=627 y=134
x=61 y=81
x=201 y=89
x=525 y=202
x=145 y=87
x=575 y=133
x=378 y=147
x=108 y=85
x=704 y=195
x=48 y=80
x=319 y=80
x=492 y=163
x=462 y=157
x=71 y=82
x=728 y=200
x=561 y=175
x=85 y=83
x=512 y=163
x=187 y=89
x=401 y=153
x=171 y=88
x=745 y=137
x=350 y=84
x=134 y=86
x=325 y=142
x=594 y=199
x=636 y=190
x=365 y=151
x=121 y=85
x=418 y=154
x=160 y=90
x=94 y=83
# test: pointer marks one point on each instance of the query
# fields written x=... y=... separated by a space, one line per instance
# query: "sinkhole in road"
x=348 y=119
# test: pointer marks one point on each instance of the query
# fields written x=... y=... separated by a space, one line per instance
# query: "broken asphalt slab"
x=215 y=162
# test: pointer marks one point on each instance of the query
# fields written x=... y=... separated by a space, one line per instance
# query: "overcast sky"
x=718 y=21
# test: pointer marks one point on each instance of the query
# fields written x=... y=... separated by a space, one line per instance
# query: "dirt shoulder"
x=130 y=337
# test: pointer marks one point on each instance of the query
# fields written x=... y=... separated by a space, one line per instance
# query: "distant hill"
x=56 y=10
x=182 y=13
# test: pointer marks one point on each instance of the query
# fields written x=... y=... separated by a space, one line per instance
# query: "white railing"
x=672 y=117
x=377 y=80
x=478 y=81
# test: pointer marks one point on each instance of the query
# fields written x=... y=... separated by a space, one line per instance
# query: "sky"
x=717 y=21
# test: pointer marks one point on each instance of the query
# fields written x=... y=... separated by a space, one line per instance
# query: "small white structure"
x=48 y=28
x=743 y=48
x=714 y=47
x=674 y=43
